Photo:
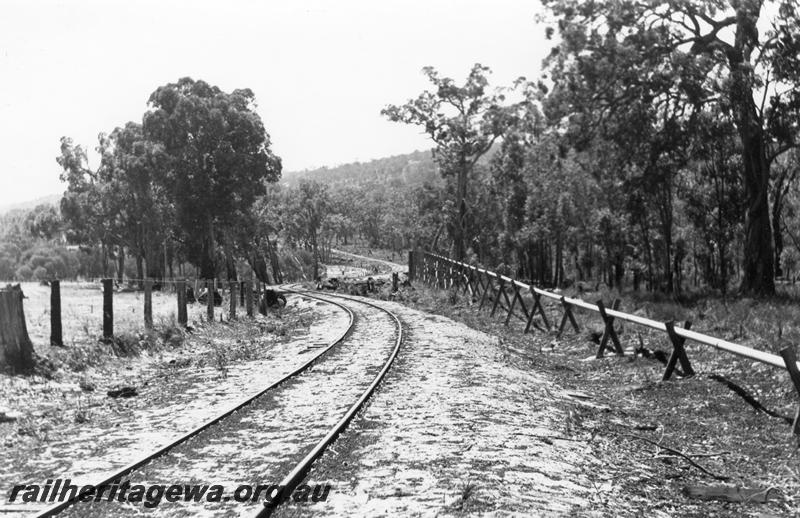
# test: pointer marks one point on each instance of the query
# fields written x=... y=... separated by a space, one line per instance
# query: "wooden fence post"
x=394 y=281
x=489 y=286
x=537 y=306
x=609 y=331
x=16 y=349
x=514 y=302
x=790 y=359
x=232 y=285
x=56 y=335
x=500 y=289
x=180 y=287
x=678 y=352
x=567 y=316
x=241 y=293
x=108 y=309
x=411 y=266
x=148 y=304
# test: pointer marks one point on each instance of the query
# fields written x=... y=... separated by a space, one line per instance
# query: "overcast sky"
x=321 y=70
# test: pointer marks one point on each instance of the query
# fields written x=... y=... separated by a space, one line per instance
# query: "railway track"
x=273 y=437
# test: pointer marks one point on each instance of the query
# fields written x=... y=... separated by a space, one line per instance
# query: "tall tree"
x=217 y=160
x=692 y=54
x=129 y=167
x=464 y=122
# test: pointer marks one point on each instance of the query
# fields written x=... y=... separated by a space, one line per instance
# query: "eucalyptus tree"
x=463 y=122
x=217 y=160
x=87 y=207
x=681 y=57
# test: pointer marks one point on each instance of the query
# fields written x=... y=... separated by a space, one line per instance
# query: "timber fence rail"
x=241 y=292
x=503 y=292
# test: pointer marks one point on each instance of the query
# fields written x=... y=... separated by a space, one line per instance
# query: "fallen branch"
x=679 y=454
x=703 y=455
x=753 y=402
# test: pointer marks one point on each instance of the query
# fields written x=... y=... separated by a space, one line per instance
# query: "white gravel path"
x=455 y=419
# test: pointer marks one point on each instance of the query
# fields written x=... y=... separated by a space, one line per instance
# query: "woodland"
x=657 y=151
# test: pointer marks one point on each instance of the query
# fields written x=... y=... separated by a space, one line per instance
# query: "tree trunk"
x=16 y=349
x=230 y=262
x=120 y=265
x=758 y=259
x=208 y=267
x=461 y=206
x=276 y=267
x=140 y=269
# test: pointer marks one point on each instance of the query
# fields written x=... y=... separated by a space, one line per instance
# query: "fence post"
x=537 y=306
x=148 y=304
x=394 y=281
x=16 y=349
x=609 y=331
x=56 y=335
x=790 y=359
x=233 y=299
x=248 y=288
x=108 y=309
x=567 y=316
x=241 y=293
x=209 y=300
x=489 y=286
x=514 y=302
x=497 y=297
x=411 y=267
x=678 y=351
x=180 y=288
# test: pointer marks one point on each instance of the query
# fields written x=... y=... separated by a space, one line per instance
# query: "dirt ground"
x=567 y=433
x=657 y=442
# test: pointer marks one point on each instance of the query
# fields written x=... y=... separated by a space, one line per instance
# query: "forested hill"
x=52 y=199
x=410 y=168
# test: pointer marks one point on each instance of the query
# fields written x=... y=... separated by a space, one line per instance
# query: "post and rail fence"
x=507 y=294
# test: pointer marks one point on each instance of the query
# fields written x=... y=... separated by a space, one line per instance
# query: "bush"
x=23 y=273
x=296 y=264
x=41 y=274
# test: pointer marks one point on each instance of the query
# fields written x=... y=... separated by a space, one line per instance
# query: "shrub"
x=23 y=273
x=41 y=274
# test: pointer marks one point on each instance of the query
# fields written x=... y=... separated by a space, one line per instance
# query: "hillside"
x=410 y=168
x=52 y=199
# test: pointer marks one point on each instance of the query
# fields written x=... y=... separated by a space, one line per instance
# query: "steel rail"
x=57 y=508
x=723 y=345
x=297 y=474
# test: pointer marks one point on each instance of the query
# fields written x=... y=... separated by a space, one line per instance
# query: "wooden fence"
x=246 y=292
x=502 y=292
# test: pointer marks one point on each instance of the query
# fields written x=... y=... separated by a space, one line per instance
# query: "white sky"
x=321 y=70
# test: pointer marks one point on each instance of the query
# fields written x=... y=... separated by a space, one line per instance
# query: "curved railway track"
x=268 y=422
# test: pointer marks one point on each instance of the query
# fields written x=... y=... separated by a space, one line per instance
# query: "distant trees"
x=306 y=211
